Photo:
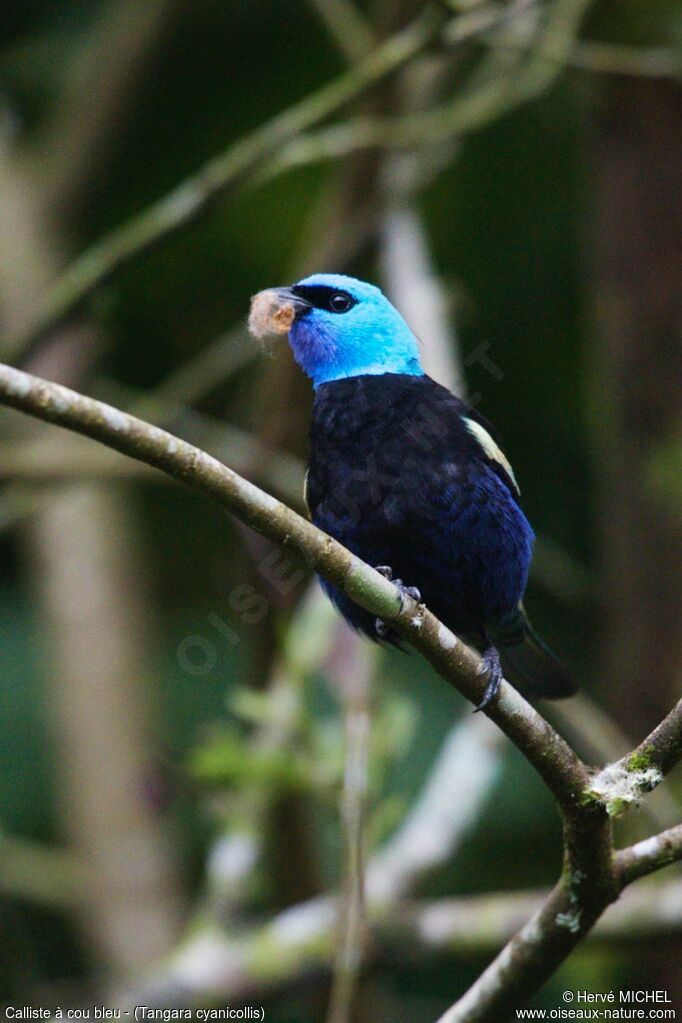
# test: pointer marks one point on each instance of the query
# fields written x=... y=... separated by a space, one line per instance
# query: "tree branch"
x=469 y=763
x=614 y=59
x=353 y=683
x=591 y=878
x=625 y=781
x=650 y=855
x=346 y=24
x=662 y=749
x=212 y=963
x=195 y=196
x=562 y=771
x=494 y=95
x=108 y=69
x=586 y=887
x=475 y=925
x=282 y=143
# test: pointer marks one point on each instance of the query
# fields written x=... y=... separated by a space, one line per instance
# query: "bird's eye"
x=340 y=302
x=321 y=296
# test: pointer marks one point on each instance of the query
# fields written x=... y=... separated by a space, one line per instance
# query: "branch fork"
x=593 y=874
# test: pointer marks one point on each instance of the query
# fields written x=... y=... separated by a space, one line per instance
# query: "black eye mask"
x=320 y=296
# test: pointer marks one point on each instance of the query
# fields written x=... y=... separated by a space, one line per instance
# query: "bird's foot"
x=381 y=627
x=491 y=662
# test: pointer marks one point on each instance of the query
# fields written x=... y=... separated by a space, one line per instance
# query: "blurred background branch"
x=508 y=168
x=593 y=878
x=490 y=99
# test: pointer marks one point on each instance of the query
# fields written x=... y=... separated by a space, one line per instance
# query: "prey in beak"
x=274 y=310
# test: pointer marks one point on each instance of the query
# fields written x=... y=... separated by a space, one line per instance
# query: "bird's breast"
x=397 y=477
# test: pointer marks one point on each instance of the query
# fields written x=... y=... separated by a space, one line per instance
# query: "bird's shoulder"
x=400 y=415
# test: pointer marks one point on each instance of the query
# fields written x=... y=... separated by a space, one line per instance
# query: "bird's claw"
x=408 y=591
x=381 y=627
x=491 y=661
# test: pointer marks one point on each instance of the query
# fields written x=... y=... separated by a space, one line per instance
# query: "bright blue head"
x=346 y=328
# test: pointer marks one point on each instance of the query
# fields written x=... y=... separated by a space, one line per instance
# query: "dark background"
x=554 y=233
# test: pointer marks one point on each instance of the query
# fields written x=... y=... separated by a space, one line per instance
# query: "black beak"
x=284 y=295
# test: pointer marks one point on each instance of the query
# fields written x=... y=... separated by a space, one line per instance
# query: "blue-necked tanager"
x=410 y=478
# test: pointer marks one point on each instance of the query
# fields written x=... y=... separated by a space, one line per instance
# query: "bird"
x=410 y=478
